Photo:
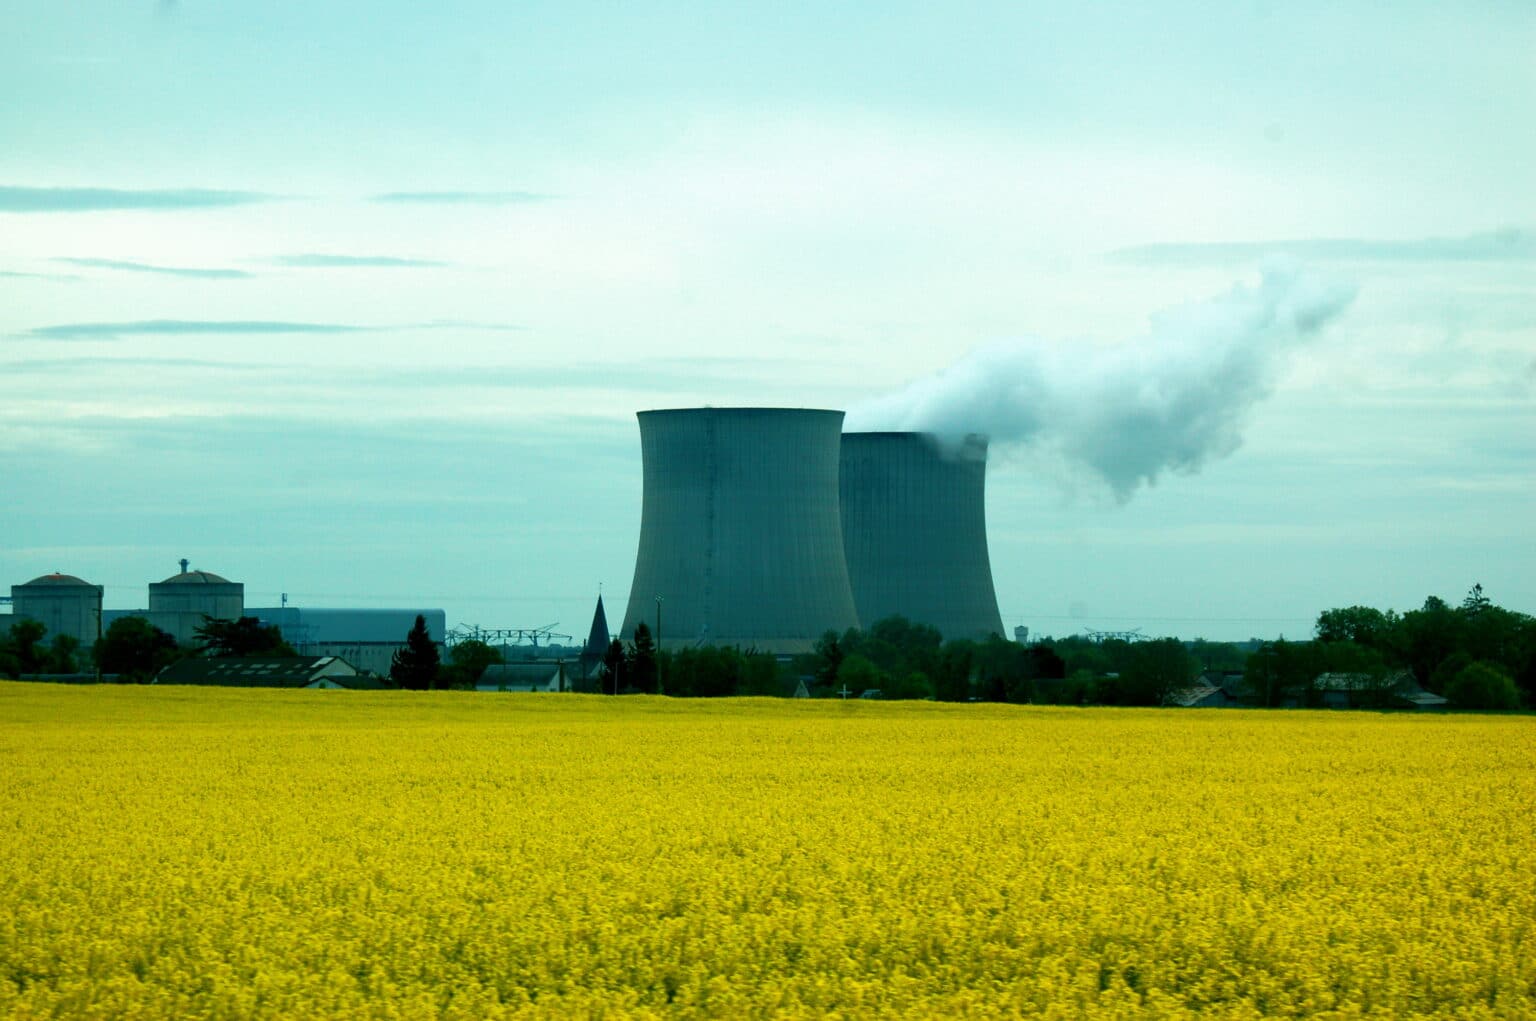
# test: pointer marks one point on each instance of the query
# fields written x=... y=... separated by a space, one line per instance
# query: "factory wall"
x=915 y=531
x=366 y=638
x=740 y=534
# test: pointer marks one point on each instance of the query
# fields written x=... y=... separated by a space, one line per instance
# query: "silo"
x=62 y=603
x=915 y=531
x=739 y=528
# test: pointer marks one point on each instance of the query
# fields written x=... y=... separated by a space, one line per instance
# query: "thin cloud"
x=184 y=327
x=462 y=198
x=144 y=267
x=10 y=274
x=49 y=366
x=315 y=260
x=1511 y=245
x=466 y=324
x=87 y=200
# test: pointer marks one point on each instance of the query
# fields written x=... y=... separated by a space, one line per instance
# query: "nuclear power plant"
x=915 y=531
x=767 y=527
x=762 y=528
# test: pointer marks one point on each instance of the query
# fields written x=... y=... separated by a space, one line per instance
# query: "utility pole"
x=95 y=652
x=659 y=689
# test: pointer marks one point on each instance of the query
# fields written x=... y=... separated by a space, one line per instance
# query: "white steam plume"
x=1169 y=400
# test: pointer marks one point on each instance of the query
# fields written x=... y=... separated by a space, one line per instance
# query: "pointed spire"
x=597 y=638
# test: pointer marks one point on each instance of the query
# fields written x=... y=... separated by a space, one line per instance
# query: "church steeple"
x=598 y=637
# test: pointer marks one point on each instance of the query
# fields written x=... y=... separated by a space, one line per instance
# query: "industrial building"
x=365 y=638
x=368 y=639
x=915 y=531
x=178 y=604
x=62 y=603
x=740 y=538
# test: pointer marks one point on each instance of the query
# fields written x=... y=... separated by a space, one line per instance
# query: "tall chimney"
x=184 y=562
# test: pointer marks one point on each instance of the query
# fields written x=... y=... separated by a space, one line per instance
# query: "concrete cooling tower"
x=739 y=528
x=915 y=531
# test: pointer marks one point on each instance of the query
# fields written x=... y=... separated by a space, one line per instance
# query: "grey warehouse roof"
x=340 y=626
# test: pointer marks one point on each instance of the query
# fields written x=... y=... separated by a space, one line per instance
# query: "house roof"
x=519 y=673
x=1342 y=681
x=1425 y=699
x=1189 y=696
x=267 y=672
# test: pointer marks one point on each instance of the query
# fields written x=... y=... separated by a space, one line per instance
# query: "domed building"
x=62 y=603
x=178 y=604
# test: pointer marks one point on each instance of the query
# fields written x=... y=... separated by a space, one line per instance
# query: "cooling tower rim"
x=970 y=446
x=928 y=433
x=742 y=410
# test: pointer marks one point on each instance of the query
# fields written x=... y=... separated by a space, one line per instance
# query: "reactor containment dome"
x=915 y=531
x=741 y=542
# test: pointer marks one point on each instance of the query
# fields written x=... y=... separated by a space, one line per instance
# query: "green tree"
x=613 y=667
x=1428 y=635
x=858 y=675
x=1475 y=602
x=1362 y=625
x=135 y=650
x=763 y=677
x=467 y=661
x=1222 y=656
x=913 y=685
x=829 y=656
x=218 y=638
x=952 y=682
x=416 y=665
x=1279 y=672
x=24 y=654
x=899 y=649
x=1077 y=688
x=61 y=655
x=1483 y=686
x=1157 y=670
x=640 y=663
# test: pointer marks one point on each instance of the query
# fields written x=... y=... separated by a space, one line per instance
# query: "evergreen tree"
x=247 y=637
x=641 y=663
x=829 y=656
x=23 y=653
x=613 y=667
x=415 y=666
x=135 y=650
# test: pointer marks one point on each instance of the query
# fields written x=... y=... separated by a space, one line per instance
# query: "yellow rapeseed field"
x=178 y=852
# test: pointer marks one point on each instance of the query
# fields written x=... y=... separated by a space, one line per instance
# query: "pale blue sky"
x=357 y=301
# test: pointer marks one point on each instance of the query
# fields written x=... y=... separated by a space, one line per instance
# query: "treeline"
x=898 y=659
x=1477 y=655
x=132 y=650
x=23 y=651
